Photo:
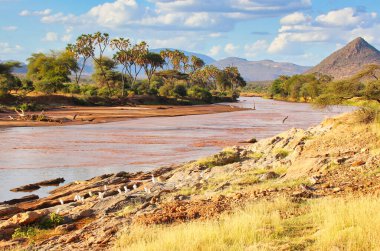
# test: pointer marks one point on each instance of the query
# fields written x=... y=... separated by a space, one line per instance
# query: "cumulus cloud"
x=6 y=48
x=66 y=38
x=346 y=17
x=50 y=37
x=35 y=13
x=230 y=49
x=337 y=26
x=295 y=18
x=252 y=50
x=214 y=15
x=215 y=50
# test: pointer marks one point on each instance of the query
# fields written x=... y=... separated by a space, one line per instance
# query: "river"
x=32 y=154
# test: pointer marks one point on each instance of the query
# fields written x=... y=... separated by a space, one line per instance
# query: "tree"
x=131 y=57
x=106 y=76
x=123 y=46
x=234 y=77
x=176 y=59
x=82 y=50
x=196 y=63
x=8 y=81
x=50 y=71
x=99 y=42
x=152 y=61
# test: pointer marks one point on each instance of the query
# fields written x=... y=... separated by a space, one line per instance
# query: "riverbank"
x=79 y=115
x=337 y=159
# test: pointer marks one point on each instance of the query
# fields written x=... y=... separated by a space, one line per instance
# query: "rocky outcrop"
x=38 y=185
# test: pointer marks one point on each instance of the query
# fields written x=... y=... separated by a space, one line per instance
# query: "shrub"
x=89 y=90
x=166 y=90
x=48 y=87
x=25 y=232
x=52 y=221
x=180 y=90
x=200 y=94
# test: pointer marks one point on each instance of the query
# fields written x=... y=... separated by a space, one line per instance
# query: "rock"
x=9 y=210
x=22 y=199
x=358 y=163
x=7 y=229
x=83 y=214
x=251 y=141
x=337 y=189
x=51 y=182
x=268 y=176
x=66 y=228
x=28 y=217
x=26 y=188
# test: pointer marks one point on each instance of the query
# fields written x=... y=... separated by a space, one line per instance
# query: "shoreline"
x=101 y=114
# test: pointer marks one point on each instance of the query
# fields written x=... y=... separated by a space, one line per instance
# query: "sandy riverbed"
x=94 y=115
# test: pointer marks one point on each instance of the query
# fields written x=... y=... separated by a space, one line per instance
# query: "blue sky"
x=298 y=31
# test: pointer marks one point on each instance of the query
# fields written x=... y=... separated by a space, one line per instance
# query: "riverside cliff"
x=338 y=158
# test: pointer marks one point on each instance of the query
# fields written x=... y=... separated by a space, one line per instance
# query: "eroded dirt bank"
x=339 y=157
x=78 y=115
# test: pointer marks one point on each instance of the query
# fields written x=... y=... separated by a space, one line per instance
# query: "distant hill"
x=349 y=60
x=205 y=58
x=261 y=70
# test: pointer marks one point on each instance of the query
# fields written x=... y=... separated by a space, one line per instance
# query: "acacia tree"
x=8 y=81
x=176 y=59
x=82 y=50
x=234 y=77
x=123 y=46
x=131 y=57
x=196 y=63
x=99 y=42
x=152 y=61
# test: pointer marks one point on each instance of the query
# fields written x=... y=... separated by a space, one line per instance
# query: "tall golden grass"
x=322 y=224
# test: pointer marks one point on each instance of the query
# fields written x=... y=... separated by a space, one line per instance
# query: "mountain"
x=205 y=58
x=22 y=70
x=349 y=60
x=261 y=70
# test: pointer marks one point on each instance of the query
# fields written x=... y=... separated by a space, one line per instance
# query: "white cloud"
x=346 y=17
x=66 y=38
x=50 y=37
x=45 y=12
x=24 y=13
x=116 y=13
x=230 y=49
x=212 y=15
x=251 y=50
x=6 y=48
x=336 y=27
x=295 y=18
x=215 y=50
x=9 y=28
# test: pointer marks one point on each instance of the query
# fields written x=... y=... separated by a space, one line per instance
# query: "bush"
x=180 y=90
x=52 y=221
x=29 y=107
x=72 y=88
x=89 y=90
x=200 y=94
x=48 y=87
x=166 y=90
x=25 y=232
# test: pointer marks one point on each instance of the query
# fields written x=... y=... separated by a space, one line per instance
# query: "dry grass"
x=323 y=224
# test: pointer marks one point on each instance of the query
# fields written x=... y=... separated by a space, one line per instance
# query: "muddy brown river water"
x=32 y=154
